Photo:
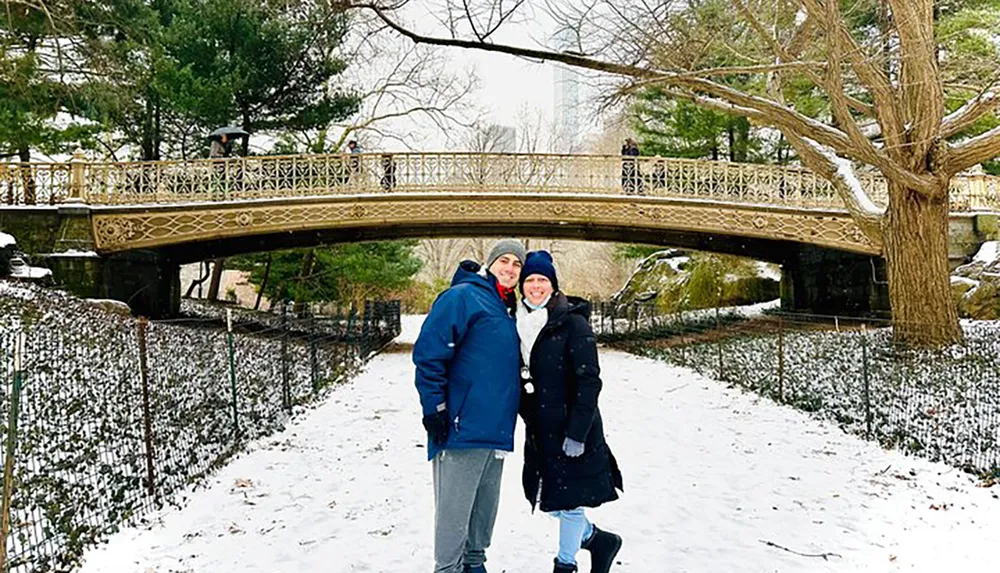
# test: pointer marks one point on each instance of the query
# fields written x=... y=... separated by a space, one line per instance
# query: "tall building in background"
x=567 y=97
x=506 y=138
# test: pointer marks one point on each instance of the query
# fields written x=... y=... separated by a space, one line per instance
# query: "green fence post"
x=8 y=466
x=142 y=327
x=865 y=381
x=286 y=394
x=718 y=330
x=781 y=361
x=232 y=373
x=313 y=360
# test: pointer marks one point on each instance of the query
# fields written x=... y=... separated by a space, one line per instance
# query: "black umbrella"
x=229 y=131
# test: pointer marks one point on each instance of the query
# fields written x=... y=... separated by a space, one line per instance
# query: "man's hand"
x=572 y=448
x=437 y=425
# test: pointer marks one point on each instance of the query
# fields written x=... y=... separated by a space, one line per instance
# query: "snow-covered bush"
x=96 y=447
x=943 y=405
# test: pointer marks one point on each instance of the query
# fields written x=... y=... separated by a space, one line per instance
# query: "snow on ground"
x=711 y=474
x=768 y=271
x=74 y=253
x=23 y=271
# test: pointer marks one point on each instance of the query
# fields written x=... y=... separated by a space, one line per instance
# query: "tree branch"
x=840 y=173
x=973 y=151
x=920 y=84
x=774 y=113
x=966 y=115
x=886 y=109
x=865 y=150
x=788 y=56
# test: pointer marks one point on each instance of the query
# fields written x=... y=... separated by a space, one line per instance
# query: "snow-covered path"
x=710 y=475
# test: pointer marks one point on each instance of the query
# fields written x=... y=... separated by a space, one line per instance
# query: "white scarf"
x=529 y=325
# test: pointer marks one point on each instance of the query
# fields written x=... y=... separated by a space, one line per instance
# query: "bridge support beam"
x=822 y=281
x=147 y=281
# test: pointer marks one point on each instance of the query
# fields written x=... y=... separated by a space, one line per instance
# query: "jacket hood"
x=562 y=306
x=469 y=272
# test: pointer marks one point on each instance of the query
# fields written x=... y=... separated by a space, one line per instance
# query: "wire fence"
x=940 y=404
x=105 y=417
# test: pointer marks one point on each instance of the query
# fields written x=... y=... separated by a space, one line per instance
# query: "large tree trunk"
x=915 y=242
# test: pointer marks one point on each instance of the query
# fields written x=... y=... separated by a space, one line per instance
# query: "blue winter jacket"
x=467 y=357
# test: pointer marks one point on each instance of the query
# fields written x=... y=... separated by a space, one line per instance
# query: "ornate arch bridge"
x=171 y=212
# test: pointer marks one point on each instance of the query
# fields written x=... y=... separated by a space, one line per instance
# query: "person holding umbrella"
x=221 y=141
x=221 y=149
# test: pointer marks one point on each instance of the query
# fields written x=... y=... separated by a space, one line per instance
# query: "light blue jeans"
x=574 y=528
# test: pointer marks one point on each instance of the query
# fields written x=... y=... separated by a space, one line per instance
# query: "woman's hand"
x=572 y=448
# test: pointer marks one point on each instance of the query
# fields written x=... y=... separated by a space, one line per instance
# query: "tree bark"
x=195 y=283
x=28 y=177
x=246 y=127
x=218 y=265
x=263 y=282
x=298 y=308
x=916 y=252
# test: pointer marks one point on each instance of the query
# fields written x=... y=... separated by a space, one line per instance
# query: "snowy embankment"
x=712 y=477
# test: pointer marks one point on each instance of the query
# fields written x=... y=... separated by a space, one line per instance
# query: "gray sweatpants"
x=466 y=498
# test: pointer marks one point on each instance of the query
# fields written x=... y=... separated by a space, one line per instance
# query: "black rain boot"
x=603 y=547
x=563 y=568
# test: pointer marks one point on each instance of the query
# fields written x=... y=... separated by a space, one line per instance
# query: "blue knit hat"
x=539 y=263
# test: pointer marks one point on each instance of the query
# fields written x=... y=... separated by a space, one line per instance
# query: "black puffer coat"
x=566 y=379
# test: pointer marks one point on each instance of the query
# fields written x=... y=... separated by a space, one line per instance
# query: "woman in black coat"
x=567 y=463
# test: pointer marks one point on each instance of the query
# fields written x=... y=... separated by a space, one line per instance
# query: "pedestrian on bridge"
x=354 y=163
x=388 y=172
x=631 y=178
x=467 y=377
x=568 y=465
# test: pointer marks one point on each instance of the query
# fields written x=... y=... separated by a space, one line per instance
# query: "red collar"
x=504 y=291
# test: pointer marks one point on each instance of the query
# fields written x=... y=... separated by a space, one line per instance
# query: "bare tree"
x=440 y=256
x=884 y=94
x=483 y=137
x=403 y=88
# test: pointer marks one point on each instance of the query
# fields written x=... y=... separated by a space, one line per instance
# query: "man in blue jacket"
x=468 y=380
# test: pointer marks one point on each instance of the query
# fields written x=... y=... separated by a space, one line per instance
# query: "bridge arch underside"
x=828 y=264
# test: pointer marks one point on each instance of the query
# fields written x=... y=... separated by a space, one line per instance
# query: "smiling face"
x=507 y=270
x=537 y=288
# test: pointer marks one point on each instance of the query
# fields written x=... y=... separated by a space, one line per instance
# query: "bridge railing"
x=34 y=183
x=275 y=177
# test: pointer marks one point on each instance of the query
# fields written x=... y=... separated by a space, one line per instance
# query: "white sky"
x=509 y=86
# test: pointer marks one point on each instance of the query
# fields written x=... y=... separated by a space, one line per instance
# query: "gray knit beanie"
x=505 y=247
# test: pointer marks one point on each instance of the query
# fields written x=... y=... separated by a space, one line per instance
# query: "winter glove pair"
x=572 y=448
x=437 y=425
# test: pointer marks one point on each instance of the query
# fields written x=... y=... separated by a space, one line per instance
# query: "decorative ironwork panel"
x=127 y=229
x=34 y=183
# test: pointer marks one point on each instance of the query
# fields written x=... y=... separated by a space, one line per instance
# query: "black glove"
x=436 y=425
